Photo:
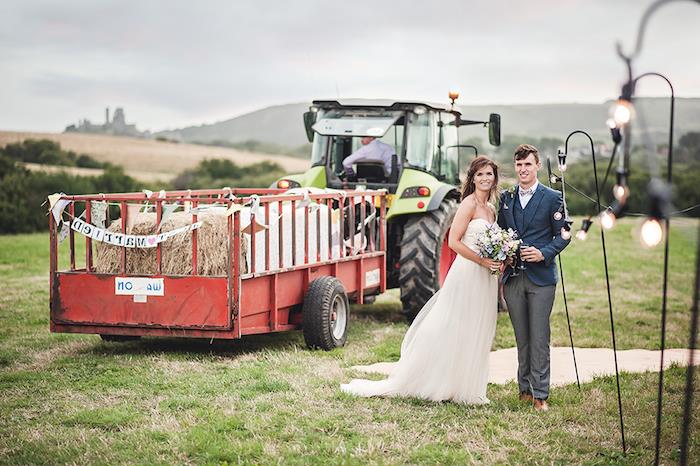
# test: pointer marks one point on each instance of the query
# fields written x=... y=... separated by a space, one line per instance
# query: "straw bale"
x=176 y=252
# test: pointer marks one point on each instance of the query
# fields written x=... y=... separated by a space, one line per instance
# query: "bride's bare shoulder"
x=468 y=202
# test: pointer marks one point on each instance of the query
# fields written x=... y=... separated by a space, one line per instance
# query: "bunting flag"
x=168 y=209
x=126 y=240
x=56 y=205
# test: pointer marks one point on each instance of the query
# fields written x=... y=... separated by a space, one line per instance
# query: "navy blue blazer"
x=543 y=219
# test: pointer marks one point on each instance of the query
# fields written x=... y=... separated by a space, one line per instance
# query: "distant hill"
x=282 y=124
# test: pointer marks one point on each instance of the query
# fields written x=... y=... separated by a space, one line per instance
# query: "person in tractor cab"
x=372 y=150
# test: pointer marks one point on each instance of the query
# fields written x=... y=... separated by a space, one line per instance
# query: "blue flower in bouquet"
x=497 y=244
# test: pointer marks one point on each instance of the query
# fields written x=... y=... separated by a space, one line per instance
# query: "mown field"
x=267 y=400
x=147 y=159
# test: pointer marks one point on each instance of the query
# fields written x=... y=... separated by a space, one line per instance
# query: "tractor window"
x=394 y=136
x=419 y=151
x=319 y=150
x=448 y=159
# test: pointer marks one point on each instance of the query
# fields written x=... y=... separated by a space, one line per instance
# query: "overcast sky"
x=177 y=63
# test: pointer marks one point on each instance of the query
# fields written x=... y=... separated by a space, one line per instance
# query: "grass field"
x=147 y=159
x=266 y=399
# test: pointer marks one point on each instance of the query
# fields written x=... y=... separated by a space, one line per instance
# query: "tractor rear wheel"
x=425 y=256
x=326 y=314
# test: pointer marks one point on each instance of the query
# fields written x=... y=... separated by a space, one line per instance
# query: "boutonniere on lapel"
x=511 y=193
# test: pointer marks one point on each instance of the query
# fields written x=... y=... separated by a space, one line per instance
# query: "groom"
x=536 y=213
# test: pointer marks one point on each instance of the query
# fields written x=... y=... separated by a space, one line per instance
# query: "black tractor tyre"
x=325 y=314
x=119 y=338
x=421 y=246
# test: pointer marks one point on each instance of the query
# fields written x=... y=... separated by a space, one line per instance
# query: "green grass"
x=266 y=399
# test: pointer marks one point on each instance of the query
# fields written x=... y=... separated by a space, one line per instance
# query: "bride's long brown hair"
x=477 y=164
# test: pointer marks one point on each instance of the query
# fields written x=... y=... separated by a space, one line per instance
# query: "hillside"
x=149 y=160
x=283 y=125
x=280 y=124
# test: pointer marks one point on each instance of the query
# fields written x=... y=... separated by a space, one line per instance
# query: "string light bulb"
x=621 y=112
x=607 y=219
x=621 y=190
x=561 y=156
x=582 y=234
x=651 y=232
x=554 y=179
x=565 y=233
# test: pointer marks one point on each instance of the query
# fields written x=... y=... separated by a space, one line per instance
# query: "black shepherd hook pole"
x=607 y=278
x=688 y=404
x=563 y=289
x=669 y=179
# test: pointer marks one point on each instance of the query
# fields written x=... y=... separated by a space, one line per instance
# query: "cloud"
x=176 y=63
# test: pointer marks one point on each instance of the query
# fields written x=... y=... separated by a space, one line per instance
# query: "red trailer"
x=273 y=295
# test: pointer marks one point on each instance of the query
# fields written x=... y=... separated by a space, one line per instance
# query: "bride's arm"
x=464 y=215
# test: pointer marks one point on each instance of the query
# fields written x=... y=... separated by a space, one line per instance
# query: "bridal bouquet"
x=498 y=244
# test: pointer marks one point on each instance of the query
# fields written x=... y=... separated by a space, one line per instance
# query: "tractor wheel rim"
x=341 y=317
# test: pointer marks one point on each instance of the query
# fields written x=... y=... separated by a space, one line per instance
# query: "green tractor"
x=423 y=183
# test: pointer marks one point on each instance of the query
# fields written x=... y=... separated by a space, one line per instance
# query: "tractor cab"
x=421 y=136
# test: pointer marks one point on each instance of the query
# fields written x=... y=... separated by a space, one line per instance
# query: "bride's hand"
x=490 y=264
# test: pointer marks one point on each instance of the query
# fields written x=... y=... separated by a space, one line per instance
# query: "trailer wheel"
x=325 y=314
x=425 y=256
x=119 y=338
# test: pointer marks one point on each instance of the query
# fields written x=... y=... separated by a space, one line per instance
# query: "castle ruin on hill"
x=117 y=126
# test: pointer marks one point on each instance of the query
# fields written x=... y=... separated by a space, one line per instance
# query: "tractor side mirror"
x=495 y=129
x=309 y=120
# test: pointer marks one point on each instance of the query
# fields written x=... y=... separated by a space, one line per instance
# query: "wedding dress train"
x=445 y=353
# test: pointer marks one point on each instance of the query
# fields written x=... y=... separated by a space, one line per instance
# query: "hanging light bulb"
x=621 y=191
x=582 y=234
x=561 y=156
x=565 y=233
x=554 y=179
x=610 y=123
x=651 y=233
x=608 y=219
x=621 y=112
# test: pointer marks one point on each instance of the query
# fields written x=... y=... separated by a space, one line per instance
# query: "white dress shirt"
x=375 y=150
x=526 y=195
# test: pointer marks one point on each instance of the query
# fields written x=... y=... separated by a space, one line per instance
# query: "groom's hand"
x=531 y=254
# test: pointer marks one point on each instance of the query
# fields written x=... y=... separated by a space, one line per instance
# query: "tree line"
x=23 y=191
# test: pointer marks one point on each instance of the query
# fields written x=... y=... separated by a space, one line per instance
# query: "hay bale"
x=176 y=252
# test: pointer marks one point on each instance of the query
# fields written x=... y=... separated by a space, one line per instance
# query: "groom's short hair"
x=524 y=150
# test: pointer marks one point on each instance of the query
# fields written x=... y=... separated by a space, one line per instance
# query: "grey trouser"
x=530 y=306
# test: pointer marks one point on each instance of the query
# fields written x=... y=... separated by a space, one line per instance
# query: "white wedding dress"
x=445 y=353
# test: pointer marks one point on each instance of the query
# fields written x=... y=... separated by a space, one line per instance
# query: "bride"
x=445 y=353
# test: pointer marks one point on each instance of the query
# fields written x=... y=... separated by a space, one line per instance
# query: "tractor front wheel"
x=425 y=256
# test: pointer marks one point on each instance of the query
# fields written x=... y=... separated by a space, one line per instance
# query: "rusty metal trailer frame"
x=222 y=307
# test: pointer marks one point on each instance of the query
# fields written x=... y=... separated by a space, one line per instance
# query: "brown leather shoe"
x=541 y=405
x=526 y=397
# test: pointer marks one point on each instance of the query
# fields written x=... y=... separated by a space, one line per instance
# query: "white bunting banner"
x=129 y=241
